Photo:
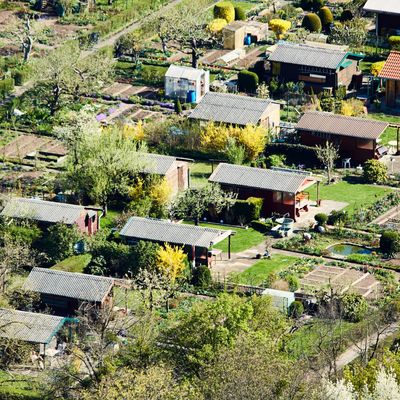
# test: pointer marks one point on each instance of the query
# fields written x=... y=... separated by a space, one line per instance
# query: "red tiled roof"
x=391 y=69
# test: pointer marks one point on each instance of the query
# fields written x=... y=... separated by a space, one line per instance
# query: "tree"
x=375 y=171
x=64 y=74
x=216 y=25
x=130 y=44
x=178 y=106
x=171 y=261
x=263 y=91
x=279 y=27
x=327 y=154
x=108 y=163
x=389 y=243
x=186 y=24
x=60 y=241
x=247 y=81
x=193 y=203
x=354 y=307
x=235 y=153
x=351 y=33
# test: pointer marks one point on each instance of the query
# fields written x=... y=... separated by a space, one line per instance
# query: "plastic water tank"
x=247 y=40
x=191 y=96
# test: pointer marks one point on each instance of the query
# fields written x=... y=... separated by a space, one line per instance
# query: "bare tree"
x=327 y=154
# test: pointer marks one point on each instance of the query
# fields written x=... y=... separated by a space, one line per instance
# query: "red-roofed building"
x=391 y=72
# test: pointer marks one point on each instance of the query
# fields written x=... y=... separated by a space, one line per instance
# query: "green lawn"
x=199 y=173
x=258 y=273
x=18 y=387
x=108 y=220
x=73 y=263
x=356 y=194
x=243 y=239
x=390 y=133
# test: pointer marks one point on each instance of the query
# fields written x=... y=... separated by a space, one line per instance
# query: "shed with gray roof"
x=387 y=15
x=174 y=169
x=196 y=239
x=356 y=138
x=28 y=326
x=321 y=68
x=65 y=291
x=283 y=190
x=237 y=110
x=51 y=212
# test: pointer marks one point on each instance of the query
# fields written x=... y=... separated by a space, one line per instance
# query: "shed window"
x=288 y=198
x=365 y=144
x=277 y=197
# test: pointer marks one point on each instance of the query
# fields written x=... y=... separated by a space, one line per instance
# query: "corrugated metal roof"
x=300 y=54
x=341 y=125
x=181 y=72
x=169 y=232
x=158 y=164
x=230 y=108
x=258 y=178
x=391 y=69
x=387 y=6
x=28 y=326
x=68 y=284
x=41 y=210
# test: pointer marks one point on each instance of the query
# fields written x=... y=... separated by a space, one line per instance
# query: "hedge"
x=247 y=210
x=312 y=23
x=312 y=4
x=346 y=15
x=394 y=41
x=262 y=227
x=247 y=81
x=295 y=153
x=20 y=77
x=240 y=14
x=224 y=10
x=325 y=16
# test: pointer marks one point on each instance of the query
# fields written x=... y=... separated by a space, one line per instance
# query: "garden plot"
x=125 y=90
x=341 y=279
x=31 y=147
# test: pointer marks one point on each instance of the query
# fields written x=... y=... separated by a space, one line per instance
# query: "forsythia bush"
x=171 y=261
x=376 y=67
x=135 y=132
x=216 y=25
x=160 y=192
x=352 y=108
x=279 y=27
x=252 y=138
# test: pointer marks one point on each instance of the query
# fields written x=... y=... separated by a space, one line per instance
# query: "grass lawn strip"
x=18 y=387
x=258 y=273
x=73 y=263
x=356 y=194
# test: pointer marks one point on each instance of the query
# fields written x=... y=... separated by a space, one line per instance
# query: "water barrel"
x=247 y=40
x=191 y=96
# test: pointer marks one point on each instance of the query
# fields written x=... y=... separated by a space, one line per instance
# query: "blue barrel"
x=191 y=96
x=247 y=40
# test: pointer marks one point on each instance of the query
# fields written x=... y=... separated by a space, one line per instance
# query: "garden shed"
x=391 y=73
x=186 y=83
x=320 y=68
x=281 y=299
x=238 y=110
x=198 y=241
x=356 y=138
x=387 y=15
x=64 y=291
x=49 y=212
x=175 y=170
x=283 y=190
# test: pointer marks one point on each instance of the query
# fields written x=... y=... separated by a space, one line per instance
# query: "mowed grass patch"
x=108 y=220
x=355 y=194
x=73 y=263
x=259 y=272
x=199 y=174
x=18 y=387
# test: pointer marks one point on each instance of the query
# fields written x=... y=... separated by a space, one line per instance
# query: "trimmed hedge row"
x=247 y=81
x=295 y=153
